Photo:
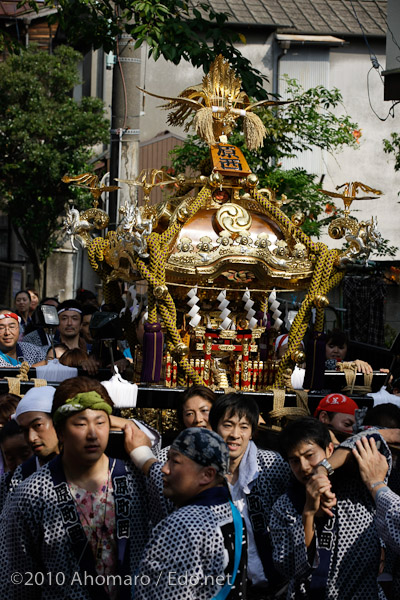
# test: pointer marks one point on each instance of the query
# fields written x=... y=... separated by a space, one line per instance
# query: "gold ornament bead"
x=216 y=179
x=183 y=213
x=180 y=350
x=299 y=357
x=252 y=180
x=298 y=219
x=160 y=291
x=321 y=301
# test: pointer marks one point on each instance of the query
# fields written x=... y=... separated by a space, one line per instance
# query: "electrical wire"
x=391 y=109
x=123 y=83
x=144 y=81
x=375 y=65
x=395 y=42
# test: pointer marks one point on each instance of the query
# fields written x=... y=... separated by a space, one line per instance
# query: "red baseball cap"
x=338 y=403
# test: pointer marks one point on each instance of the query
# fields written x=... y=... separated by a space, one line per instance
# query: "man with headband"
x=82 y=520
x=198 y=551
x=69 y=329
x=33 y=415
x=12 y=352
x=70 y=316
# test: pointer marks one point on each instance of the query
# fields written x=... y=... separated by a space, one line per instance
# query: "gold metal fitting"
x=180 y=350
x=244 y=324
x=321 y=301
x=183 y=213
x=252 y=180
x=298 y=218
x=299 y=357
x=216 y=179
x=160 y=291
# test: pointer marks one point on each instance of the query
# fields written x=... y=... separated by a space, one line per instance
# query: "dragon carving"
x=361 y=237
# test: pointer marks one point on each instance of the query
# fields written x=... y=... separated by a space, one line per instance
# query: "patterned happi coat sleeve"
x=350 y=443
x=20 y=541
x=32 y=354
x=15 y=480
x=159 y=506
x=388 y=518
x=187 y=554
x=33 y=338
x=162 y=454
x=288 y=541
x=4 y=488
x=273 y=479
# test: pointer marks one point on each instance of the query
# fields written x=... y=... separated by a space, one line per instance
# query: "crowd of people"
x=24 y=337
x=213 y=515
x=211 y=512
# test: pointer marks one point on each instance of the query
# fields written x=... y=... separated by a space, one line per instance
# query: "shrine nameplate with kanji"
x=229 y=160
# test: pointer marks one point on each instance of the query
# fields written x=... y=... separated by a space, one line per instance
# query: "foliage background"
x=44 y=133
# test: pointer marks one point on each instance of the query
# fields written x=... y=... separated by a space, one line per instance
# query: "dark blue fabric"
x=76 y=532
x=238 y=525
x=262 y=538
x=121 y=495
x=326 y=533
x=211 y=497
x=28 y=467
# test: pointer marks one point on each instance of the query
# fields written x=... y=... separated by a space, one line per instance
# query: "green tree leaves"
x=173 y=29
x=44 y=133
x=392 y=146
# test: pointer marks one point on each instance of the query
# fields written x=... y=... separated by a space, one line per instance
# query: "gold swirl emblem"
x=233 y=218
x=338 y=227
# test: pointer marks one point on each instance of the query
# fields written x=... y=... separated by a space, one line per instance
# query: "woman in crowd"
x=336 y=352
x=192 y=410
x=22 y=301
x=194 y=405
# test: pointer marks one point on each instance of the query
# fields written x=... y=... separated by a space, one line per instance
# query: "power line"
x=375 y=65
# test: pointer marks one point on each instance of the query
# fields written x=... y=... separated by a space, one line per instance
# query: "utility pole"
x=125 y=122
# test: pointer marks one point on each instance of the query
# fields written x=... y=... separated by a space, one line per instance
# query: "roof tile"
x=310 y=16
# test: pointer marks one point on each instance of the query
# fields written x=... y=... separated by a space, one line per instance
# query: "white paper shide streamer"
x=195 y=318
x=274 y=305
x=123 y=393
x=223 y=307
x=248 y=306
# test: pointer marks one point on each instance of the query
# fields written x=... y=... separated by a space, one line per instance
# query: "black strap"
x=72 y=524
x=262 y=538
x=123 y=507
x=28 y=467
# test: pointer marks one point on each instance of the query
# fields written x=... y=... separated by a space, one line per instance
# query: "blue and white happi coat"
x=40 y=532
x=349 y=543
x=190 y=554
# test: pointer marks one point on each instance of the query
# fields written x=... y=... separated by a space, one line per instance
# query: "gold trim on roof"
x=216 y=105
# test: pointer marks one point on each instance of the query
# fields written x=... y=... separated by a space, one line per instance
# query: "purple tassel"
x=263 y=343
x=153 y=343
x=315 y=362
